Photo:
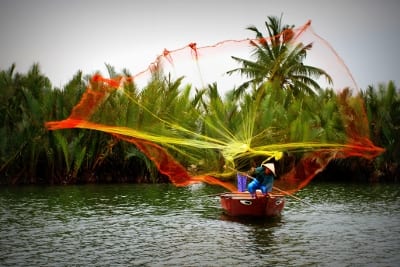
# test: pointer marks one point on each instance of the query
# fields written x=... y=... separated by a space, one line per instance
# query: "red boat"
x=243 y=204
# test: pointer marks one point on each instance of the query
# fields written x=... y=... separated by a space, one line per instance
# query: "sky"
x=67 y=36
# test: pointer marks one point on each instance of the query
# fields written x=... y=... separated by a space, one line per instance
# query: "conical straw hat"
x=270 y=166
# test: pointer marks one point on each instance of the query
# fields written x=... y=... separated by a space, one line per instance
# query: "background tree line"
x=31 y=154
x=279 y=85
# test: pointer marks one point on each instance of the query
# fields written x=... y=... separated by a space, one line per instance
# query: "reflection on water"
x=162 y=225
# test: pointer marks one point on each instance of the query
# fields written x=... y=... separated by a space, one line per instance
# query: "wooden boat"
x=243 y=204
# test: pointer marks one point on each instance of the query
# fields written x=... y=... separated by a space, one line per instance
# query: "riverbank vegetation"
x=30 y=154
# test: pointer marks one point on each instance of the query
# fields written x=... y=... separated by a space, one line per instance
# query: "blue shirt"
x=262 y=177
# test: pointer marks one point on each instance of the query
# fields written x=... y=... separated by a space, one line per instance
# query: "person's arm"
x=251 y=172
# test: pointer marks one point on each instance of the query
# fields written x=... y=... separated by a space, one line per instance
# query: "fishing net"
x=190 y=113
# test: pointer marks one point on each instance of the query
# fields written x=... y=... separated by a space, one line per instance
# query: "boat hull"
x=243 y=204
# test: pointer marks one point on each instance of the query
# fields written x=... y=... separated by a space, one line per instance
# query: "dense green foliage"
x=383 y=107
x=31 y=154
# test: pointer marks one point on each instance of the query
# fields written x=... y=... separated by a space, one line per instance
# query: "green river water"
x=163 y=225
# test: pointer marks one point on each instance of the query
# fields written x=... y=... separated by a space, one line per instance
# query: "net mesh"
x=175 y=113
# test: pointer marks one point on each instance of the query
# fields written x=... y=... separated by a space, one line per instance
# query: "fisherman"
x=264 y=176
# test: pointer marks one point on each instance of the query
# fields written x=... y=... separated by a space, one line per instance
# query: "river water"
x=162 y=225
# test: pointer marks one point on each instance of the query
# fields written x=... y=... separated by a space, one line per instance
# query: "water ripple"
x=161 y=225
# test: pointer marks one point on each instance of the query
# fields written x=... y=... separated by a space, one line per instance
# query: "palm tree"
x=383 y=109
x=279 y=61
x=25 y=104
